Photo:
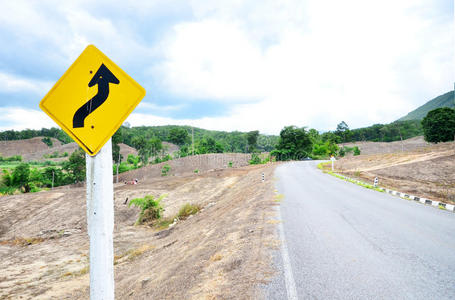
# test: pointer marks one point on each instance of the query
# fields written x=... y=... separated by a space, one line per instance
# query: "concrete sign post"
x=90 y=102
x=100 y=222
x=332 y=158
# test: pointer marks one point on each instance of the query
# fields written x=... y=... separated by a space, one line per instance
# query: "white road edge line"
x=288 y=277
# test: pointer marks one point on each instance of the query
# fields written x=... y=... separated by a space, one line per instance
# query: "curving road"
x=342 y=241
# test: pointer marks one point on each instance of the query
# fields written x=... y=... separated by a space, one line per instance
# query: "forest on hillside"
x=234 y=141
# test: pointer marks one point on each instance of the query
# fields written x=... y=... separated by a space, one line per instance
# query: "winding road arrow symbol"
x=102 y=77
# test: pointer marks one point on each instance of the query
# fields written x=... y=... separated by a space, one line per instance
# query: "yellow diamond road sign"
x=92 y=99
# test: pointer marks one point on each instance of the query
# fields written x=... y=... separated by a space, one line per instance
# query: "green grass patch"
x=150 y=208
x=188 y=210
x=278 y=198
x=322 y=165
x=365 y=185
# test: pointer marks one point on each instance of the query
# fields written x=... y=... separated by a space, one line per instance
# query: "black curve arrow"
x=102 y=78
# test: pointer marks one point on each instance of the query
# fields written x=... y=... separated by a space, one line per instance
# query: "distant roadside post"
x=332 y=158
x=90 y=102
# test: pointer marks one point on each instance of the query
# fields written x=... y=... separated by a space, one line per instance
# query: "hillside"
x=421 y=170
x=35 y=149
x=219 y=253
x=234 y=141
x=368 y=148
x=446 y=100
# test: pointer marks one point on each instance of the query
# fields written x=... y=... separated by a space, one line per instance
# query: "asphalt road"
x=343 y=241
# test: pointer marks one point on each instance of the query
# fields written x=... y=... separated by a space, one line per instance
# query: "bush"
x=230 y=164
x=21 y=176
x=167 y=157
x=342 y=152
x=165 y=170
x=255 y=159
x=188 y=210
x=356 y=151
x=150 y=208
x=132 y=160
x=47 y=141
x=11 y=158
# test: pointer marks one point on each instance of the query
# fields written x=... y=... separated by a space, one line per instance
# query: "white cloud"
x=358 y=61
x=154 y=107
x=11 y=83
x=19 y=118
x=273 y=63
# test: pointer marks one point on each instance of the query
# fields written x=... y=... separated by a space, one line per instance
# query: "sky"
x=236 y=65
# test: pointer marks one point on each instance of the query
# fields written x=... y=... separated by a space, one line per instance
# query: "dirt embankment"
x=427 y=171
x=26 y=148
x=392 y=147
x=35 y=149
x=190 y=164
x=219 y=253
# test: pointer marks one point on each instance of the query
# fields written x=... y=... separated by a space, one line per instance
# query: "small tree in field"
x=150 y=208
x=21 y=176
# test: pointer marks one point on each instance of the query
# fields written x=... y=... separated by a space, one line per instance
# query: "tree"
x=75 y=166
x=439 y=125
x=178 y=136
x=209 y=145
x=117 y=138
x=252 y=139
x=343 y=132
x=294 y=143
x=21 y=176
x=155 y=146
x=47 y=140
x=143 y=148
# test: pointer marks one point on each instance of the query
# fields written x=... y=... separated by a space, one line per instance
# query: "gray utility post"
x=100 y=222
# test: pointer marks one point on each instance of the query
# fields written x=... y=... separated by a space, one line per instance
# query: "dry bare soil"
x=425 y=170
x=36 y=149
x=222 y=252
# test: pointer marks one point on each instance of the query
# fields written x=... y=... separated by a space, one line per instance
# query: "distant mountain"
x=446 y=100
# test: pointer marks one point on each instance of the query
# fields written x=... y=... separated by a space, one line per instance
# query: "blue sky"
x=236 y=65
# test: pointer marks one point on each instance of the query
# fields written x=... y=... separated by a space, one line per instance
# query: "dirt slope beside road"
x=189 y=164
x=425 y=172
x=35 y=149
x=391 y=147
x=219 y=253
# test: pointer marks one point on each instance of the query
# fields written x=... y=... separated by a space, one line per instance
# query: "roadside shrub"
x=196 y=171
x=188 y=210
x=150 y=208
x=230 y=164
x=165 y=170
x=356 y=151
x=255 y=159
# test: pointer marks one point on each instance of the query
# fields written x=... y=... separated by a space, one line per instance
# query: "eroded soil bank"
x=222 y=252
